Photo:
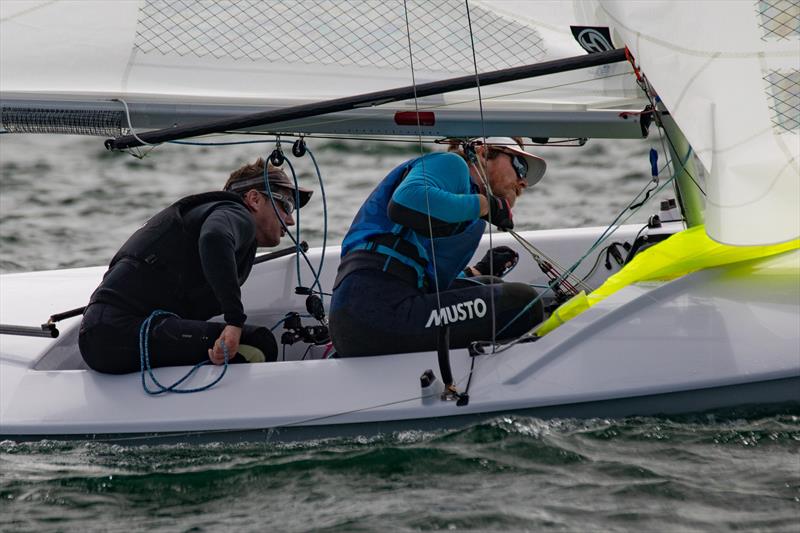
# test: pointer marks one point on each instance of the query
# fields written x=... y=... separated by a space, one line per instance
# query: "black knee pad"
x=263 y=339
x=519 y=295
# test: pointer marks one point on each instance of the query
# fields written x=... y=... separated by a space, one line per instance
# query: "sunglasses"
x=286 y=202
x=520 y=166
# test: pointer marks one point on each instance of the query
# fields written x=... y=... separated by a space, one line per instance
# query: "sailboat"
x=707 y=318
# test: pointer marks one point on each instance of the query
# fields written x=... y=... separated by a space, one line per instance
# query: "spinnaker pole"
x=367 y=100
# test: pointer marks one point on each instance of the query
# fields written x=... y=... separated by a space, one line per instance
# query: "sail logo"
x=457 y=313
x=593 y=39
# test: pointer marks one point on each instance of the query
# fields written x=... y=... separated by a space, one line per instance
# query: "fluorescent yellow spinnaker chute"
x=683 y=253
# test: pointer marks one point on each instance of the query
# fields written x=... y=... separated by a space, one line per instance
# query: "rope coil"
x=147 y=370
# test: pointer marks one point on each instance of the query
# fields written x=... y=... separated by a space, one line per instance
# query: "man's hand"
x=497 y=261
x=230 y=336
x=500 y=211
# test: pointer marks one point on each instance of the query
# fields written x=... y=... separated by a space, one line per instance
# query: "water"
x=642 y=474
x=65 y=202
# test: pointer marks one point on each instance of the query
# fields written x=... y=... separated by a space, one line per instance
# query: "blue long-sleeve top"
x=437 y=191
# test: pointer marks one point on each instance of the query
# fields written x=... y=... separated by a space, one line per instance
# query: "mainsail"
x=182 y=61
x=728 y=73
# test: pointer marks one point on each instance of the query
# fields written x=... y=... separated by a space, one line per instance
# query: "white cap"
x=536 y=165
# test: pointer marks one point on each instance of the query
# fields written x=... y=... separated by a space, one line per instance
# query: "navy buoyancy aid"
x=372 y=219
x=452 y=253
x=159 y=266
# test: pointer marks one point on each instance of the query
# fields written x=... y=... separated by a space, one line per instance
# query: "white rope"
x=133 y=131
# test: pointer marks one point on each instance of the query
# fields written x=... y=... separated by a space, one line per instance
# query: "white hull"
x=704 y=341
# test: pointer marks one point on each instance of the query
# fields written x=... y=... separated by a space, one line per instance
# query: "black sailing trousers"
x=377 y=313
x=109 y=340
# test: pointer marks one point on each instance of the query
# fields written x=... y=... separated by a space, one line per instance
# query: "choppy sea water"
x=518 y=474
x=65 y=202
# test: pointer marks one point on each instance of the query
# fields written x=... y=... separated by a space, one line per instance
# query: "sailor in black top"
x=190 y=259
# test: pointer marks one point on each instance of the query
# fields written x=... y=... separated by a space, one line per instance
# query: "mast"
x=685 y=173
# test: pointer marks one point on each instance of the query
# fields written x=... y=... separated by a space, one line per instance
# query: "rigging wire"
x=682 y=162
x=483 y=175
x=605 y=235
x=647 y=89
x=227 y=143
x=324 y=222
x=644 y=85
x=297 y=223
x=296 y=241
x=422 y=161
x=540 y=256
x=559 y=143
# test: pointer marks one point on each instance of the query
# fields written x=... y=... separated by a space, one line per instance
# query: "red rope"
x=632 y=61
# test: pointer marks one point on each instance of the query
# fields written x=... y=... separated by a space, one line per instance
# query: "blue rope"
x=144 y=361
x=297 y=224
x=296 y=241
x=318 y=271
x=278 y=323
x=283 y=225
x=324 y=220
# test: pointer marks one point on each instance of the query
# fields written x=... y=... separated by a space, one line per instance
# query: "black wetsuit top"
x=197 y=274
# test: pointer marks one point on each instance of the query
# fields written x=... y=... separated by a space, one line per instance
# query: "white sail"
x=728 y=73
x=236 y=53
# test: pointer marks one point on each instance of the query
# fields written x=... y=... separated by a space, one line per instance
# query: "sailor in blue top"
x=405 y=256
